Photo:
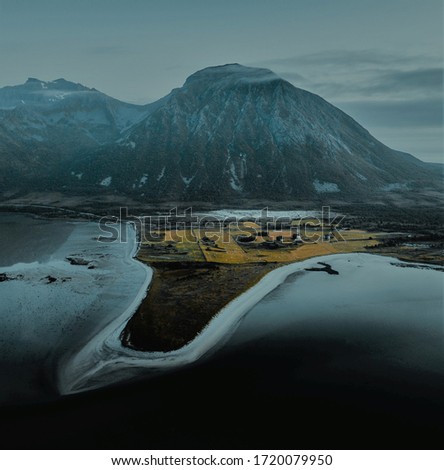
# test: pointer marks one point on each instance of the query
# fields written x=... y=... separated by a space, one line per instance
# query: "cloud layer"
x=382 y=90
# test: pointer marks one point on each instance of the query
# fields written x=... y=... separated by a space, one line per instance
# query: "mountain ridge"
x=229 y=132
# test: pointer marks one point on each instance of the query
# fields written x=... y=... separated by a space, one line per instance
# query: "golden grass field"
x=188 y=245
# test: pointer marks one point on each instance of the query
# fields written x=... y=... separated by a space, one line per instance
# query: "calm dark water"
x=24 y=239
x=318 y=363
x=49 y=308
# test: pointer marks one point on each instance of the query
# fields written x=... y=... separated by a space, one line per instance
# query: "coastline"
x=48 y=212
x=51 y=306
x=78 y=365
x=105 y=361
x=94 y=356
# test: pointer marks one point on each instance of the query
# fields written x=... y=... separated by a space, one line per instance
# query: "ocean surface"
x=49 y=307
x=381 y=312
x=353 y=360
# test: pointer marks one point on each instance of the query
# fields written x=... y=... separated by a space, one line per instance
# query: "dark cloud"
x=344 y=75
x=353 y=58
x=427 y=113
x=430 y=79
x=397 y=96
x=419 y=83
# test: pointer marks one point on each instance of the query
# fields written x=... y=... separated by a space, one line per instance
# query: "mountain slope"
x=43 y=125
x=230 y=132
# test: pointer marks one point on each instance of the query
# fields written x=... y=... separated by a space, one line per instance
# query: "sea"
x=321 y=361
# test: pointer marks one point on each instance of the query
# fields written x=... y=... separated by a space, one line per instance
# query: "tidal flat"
x=51 y=306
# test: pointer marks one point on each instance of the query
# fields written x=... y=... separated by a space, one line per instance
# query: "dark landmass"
x=423 y=250
x=6 y=277
x=327 y=269
x=418 y=266
x=50 y=279
x=78 y=261
x=393 y=210
x=183 y=298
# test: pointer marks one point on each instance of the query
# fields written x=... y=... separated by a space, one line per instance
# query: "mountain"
x=47 y=125
x=231 y=132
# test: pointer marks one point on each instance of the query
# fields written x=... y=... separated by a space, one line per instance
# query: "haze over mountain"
x=231 y=132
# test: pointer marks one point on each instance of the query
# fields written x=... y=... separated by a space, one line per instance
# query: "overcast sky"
x=381 y=61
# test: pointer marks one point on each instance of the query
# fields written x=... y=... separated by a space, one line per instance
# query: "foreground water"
x=381 y=310
x=363 y=348
x=49 y=307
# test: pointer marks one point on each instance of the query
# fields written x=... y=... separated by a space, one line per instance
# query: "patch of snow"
x=106 y=182
x=234 y=180
x=234 y=185
x=243 y=167
x=394 y=186
x=338 y=143
x=77 y=175
x=255 y=214
x=325 y=187
x=161 y=174
x=143 y=180
x=186 y=180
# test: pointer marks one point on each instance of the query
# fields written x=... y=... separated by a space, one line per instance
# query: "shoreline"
x=51 y=306
x=114 y=363
x=101 y=360
x=76 y=366
x=40 y=211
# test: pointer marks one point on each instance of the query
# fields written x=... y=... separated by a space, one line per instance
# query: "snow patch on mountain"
x=161 y=174
x=325 y=187
x=235 y=185
x=106 y=181
x=77 y=175
x=395 y=186
x=234 y=180
x=186 y=180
